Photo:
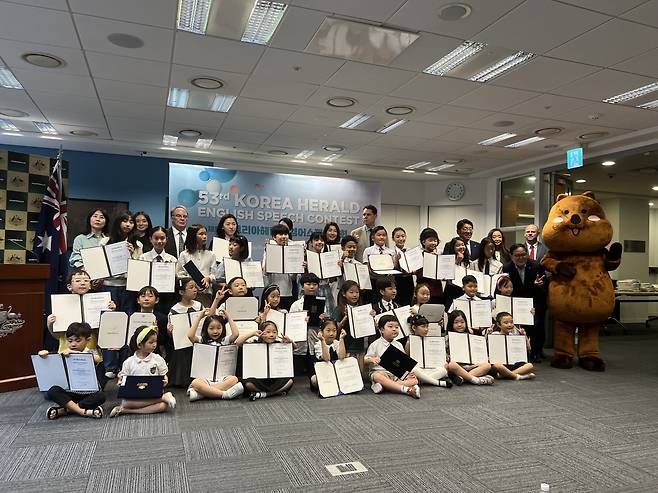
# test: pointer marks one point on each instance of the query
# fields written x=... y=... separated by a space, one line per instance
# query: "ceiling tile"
x=173 y=128
x=103 y=133
x=369 y=78
x=421 y=130
x=420 y=108
x=133 y=110
x=468 y=135
x=423 y=15
x=297 y=28
x=249 y=123
x=434 y=145
x=216 y=53
x=140 y=125
x=191 y=118
x=94 y=33
x=603 y=84
x=453 y=115
x=491 y=122
x=312 y=132
x=126 y=69
x=609 y=44
x=160 y=13
x=547 y=106
x=125 y=91
x=611 y=7
x=350 y=139
x=646 y=13
x=50 y=4
x=48 y=101
x=424 y=52
x=613 y=115
x=435 y=89
x=538 y=25
x=36 y=25
x=130 y=135
x=396 y=141
x=644 y=64
x=293 y=141
x=56 y=82
x=181 y=76
x=544 y=74
x=323 y=94
x=262 y=109
x=242 y=136
x=318 y=116
x=19 y=100
x=11 y=51
x=493 y=98
x=377 y=11
x=299 y=67
x=273 y=90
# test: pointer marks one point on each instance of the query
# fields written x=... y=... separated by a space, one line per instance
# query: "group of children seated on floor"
x=153 y=353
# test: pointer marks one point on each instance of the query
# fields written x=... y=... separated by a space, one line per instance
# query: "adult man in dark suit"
x=529 y=279
x=465 y=232
x=177 y=233
x=536 y=249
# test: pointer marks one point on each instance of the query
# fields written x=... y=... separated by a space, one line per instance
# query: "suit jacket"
x=527 y=288
x=171 y=246
x=474 y=247
x=540 y=250
x=363 y=241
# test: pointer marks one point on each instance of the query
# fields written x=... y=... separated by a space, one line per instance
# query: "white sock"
x=404 y=389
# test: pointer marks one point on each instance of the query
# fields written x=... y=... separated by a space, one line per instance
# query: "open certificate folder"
x=438 y=266
x=430 y=352
x=116 y=328
x=397 y=362
x=361 y=322
x=182 y=323
x=160 y=275
x=213 y=362
x=251 y=272
x=338 y=377
x=324 y=265
x=75 y=372
x=519 y=308
x=69 y=308
x=357 y=272
x=411 y=259
x=402 y=315
x=507 y=349
x=284 y=259
x=106 y=260
x=382 y=264
x=243 y=311
x=468 y=348
x=261 y=360
x=478 y=312
x=292 y=325
x=220 y=248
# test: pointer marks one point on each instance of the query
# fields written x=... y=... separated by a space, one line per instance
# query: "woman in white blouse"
x=486 y=262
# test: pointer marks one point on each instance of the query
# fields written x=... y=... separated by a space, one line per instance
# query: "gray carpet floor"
x=575 y=430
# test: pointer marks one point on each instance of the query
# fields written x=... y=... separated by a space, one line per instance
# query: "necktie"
x=532 y=252
x=390 y=306
x=369 y=233
x=381 y=250
x=181 y=244
x=158 y=258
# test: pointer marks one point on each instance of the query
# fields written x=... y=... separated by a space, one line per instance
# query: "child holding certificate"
x=144 y=362
x=303 y=351
x=422 y=295
x=379 y=238
x=238 y=249
x=389 y=328
x=280 y=234
x=517 y=371
x=204 y=260
x=328 y=348
x=260 y=388
x=87 y=404
x=213 y=332
x=316 y=244
x=350 y=295
x=458 y=372
x=431 y=376
x=429 y=240
x=269 y=300
x=404 y=281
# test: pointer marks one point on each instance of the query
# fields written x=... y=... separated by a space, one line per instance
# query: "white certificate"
x=139 y=319
x=242 y=307
x=203 y=361
x=281 y=365
x=412 y=259
x=458 y=342
x=284 y=259
x=293 y=325
x=220 y=248
x=402 y=314
x=517 y=349
x=255 y=360
x=252 y=272
x=460 y=272
x=382 y=264
x=357 y=272
x=489 y=287
x=327 y=379
x=479 y=278
x=438 y=266
x=117 y=257
x=92 y=305
x=139 y=274
x=163 y=276
x=233 y=268
x=522 y=311
x=348 y=375
x=497 y=348
x=49 y=371
x=95 y=262
x=81 y=372
x=336 y=248
x=360 y=320
x=182 y=323
x=478 y=312
x=113 y=331
x=430 y=351
x=227 y=361
x=67 y=309
x=324 y=265
x=479 y=352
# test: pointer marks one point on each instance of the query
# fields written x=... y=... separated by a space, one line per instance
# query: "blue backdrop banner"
x=260 y=200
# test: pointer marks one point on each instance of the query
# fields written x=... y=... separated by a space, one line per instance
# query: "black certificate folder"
x=137 y=387
x=397 y=362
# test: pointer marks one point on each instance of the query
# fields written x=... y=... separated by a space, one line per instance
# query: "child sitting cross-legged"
x=389 y=328
x=328 y=348
x=517 y=371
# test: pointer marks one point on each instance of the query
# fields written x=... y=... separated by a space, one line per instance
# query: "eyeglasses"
x=181 y=216
x=524 y=254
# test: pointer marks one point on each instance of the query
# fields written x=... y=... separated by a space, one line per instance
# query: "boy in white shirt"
x=280 y=234
x=389 y=328
x=310 y=283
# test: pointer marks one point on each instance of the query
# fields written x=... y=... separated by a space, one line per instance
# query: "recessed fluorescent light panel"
x=7 y=79
x=193 y=15
x=356 y=120
x=455 y=58
x=441 y=167
x=203 y=143
x=418 y=165
x=408 y=171
x=391 y=126
x=199 y=100
x=496 y=139
x=13 y=134
x=525 y=142
x=50 y=137
x=430 y=173
x=45 y=128
x=169 y=140
x=331 y=157
x=651 y=105
x=8 y=126
x=502 y=66
x=263 y=21
x=305 y=154
x=635 y=93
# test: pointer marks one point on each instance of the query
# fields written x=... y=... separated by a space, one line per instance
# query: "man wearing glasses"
x=177 y=233
x=529 y=280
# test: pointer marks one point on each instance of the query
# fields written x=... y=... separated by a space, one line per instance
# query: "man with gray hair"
x=177 y=232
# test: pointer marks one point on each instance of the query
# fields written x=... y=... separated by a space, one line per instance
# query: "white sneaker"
x=110 y=374
x=377 y=387
x=170 y=400
x=193 y=395
x=233 y=392
x=414 y=392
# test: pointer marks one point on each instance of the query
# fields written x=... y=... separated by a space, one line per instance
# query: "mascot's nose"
x=575 y=219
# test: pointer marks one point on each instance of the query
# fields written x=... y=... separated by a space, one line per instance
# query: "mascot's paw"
x=615 y=251
x=591 y=363
x=562 y=361
x=566 y=269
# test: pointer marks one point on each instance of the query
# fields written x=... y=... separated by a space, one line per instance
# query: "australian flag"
x=50 y=237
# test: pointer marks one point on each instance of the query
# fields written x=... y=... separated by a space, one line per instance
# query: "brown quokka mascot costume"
x=581 y=294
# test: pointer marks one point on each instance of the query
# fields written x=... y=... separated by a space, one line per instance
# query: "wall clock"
x=455 y=191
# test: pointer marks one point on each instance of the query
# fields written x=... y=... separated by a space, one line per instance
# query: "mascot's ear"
x=561 y=196
x=590 y=195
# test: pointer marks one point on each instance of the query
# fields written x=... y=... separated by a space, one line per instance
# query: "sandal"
x=116 y=410
x=55 y=412
x=96 y=413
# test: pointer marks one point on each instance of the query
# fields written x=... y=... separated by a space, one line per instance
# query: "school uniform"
x=378 y=348
x=268 y=384
x=382 y=306
x=86 y=400
x=352 y=344
x=303 y=351
x=404 y=284
x=490 y=266
x=204 y=260
x=153 y=256
x=284 y=281
x=153 y=364
x=180 y=360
